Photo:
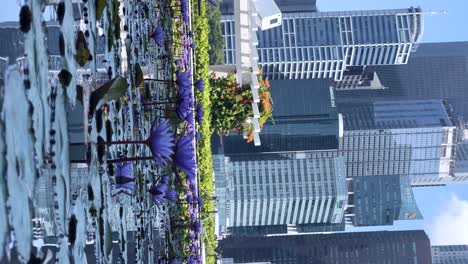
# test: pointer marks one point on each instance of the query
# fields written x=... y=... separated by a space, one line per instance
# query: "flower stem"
x=157 y=80
x=118 y=142
x=130 y=159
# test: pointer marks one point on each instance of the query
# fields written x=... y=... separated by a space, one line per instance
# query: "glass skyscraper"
x=323 y=44
x=434 y=71
x=281 y=192
x=296 y=177
x=453 y=254
x=409 y=138
x=396 y=247
x=381 y=199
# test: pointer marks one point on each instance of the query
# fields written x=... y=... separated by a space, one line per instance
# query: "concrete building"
x=387 y=247
x=453 y=254
x=409 y=138
x=324 y=44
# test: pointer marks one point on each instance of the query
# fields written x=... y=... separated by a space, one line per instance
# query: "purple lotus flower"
x=184 y=10
x=158 y=36
x=196 y=226
x=171 y=195
x=199 y=115
x=190 y=33
x=165 y=179
x=192 y=45
x=200 y=202
x=213 y=2
x=189 y=196
x=175 y=260
x=158 y=192
x=124 y=176
x=124 y=169
x=185 y=155
x=191 y=260
x=183 y=78
x=191 y=235
x=161 y=142
x=199 y=84
x=184 y=105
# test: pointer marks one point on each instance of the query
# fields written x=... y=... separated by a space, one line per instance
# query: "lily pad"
x=65 y=78
x=72 y=229
x=100 y=5
x=138 y=75
x=111 y=90
x=82 y=52
x=25 y=19
x=60 y=12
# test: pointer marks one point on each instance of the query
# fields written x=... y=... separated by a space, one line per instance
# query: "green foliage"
x=216 y=40
x=205 y=163
x=231 y=104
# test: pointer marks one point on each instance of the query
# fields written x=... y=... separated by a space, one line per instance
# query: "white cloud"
x=450 y=226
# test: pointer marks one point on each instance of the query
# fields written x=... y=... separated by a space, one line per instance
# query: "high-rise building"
x=227 y=6
x=279 y=194
x=324 y=44
x=461 y=162
x=295 y=178
x=394 y=247
x=434 y=71
x=453 y=254
x=408 y=138
x=305 y=118
x=380 y=199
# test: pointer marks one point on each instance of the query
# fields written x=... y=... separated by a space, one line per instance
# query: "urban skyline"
x=384 y=87
x=327 y=135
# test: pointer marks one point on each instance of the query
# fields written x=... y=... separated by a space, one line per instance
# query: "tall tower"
x=449 y=254
x=434 y=71
x=324 y=44
x=395 y=247
x=409 y=138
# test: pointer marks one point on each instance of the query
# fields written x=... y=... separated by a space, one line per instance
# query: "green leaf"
x=111 y=90
x=138 y=75
x=100 y=5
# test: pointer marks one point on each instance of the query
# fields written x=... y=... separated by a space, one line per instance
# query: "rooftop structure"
x=324 y=44
x=394 y=247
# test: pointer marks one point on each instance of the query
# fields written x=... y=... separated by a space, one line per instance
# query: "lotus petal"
x=171 y=195
x=200 y=85
x=199 y=115
x=124 y=169
x=158 y=36
x=161 y=142
x=185 y=155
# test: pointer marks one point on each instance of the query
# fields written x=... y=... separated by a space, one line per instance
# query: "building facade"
x=396 y=247
x=409 y=138
x=453 y=254
x=283 y=193
x=324 y=44
x=379 y=200
x=434 y=71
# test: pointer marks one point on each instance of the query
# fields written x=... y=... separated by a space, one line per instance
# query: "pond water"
x=59 y=199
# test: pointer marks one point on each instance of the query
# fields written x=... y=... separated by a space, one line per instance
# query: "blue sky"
x=445 y=209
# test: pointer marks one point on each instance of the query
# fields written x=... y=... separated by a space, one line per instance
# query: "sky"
x=445 y=208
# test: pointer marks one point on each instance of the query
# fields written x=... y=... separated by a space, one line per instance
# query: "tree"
x=215 y=37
